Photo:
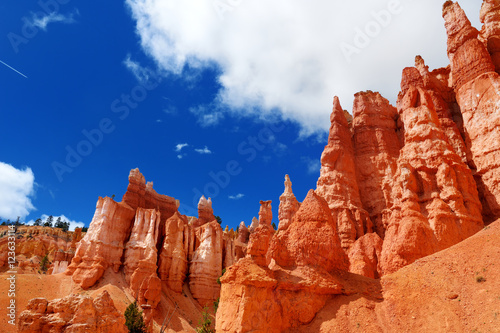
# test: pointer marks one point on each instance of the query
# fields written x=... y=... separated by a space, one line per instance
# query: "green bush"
x=133 y=319
x=205 y=323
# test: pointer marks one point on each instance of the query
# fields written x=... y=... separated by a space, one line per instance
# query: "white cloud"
x=141 y=73
x=43 y=21
x=72 y=224
x=207 y=116
x=285 y=56
x=203 y=151
x=16 y=189
x=180 y=156
x=237 y=196
x=180 y=146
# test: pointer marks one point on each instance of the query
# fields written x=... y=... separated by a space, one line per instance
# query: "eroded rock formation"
x=337 y=182
x=436 y=201
x=74 y=313
x=206 y=265
x=288 y=205
x=173 y=261
x=140 y=258
x=477 y=88
x=376 y=150
x=104 y=243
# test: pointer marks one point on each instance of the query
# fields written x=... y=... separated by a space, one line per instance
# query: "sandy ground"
x=29 y=286
x=455 y=290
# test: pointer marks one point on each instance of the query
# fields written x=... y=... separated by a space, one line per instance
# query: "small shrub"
x=216 y=304
x=480 y=279
x=44 y=263
x=133 y=319
x=205 y=323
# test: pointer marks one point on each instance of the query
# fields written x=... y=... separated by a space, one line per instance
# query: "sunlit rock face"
x=476 y=85
x=337 y=183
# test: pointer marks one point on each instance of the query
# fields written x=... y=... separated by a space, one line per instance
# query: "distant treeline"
x=49 y=222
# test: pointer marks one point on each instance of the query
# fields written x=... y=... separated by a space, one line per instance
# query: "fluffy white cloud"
x=43 y=21
x=16 y=190
x=72 y=224
x=203 y=151
x=292 y=56
x=236 y=197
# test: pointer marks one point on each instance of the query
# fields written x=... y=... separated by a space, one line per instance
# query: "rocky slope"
x=35 y=242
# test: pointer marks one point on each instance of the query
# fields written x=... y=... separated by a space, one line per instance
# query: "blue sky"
x=189 y=95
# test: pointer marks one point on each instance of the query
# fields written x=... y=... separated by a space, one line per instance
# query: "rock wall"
x=477 y=88
x=74 y=313
x=337 y=182
x=103 y=244
x=140 y=257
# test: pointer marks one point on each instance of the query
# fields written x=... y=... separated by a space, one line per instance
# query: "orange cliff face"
x=476 y=85
x=337 y=182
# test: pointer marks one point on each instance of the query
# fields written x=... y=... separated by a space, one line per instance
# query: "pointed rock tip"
x=314 y=208
x=446 y=6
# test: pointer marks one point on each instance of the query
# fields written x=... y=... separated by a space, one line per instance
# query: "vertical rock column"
x=288 y=205
x=173 y=262
x=477 y=88
x=103 y=244
x=337 y=182
x=141 y=257
x=376 y=147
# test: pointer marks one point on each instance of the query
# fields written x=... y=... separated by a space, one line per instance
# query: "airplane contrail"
x=15 y=70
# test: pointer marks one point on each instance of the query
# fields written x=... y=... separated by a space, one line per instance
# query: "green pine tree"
x=133 y=319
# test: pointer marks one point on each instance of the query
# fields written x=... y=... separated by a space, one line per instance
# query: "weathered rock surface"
x=34 y=242
x=476 y=86
x=490 y=33
x=206 y=265
x=104 y=242
x=241 y=242
x=288 y=205
x=205 y=212
x=74 y=313
x=310 y=240
x=337 y=182
x=365 y=254
x=258 y=244
x=298 y=280
x=436 y=204
x=140 y=257
x=173 y=262
x=376 y=150
x=141 y=194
